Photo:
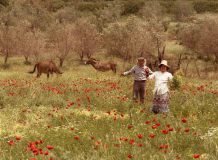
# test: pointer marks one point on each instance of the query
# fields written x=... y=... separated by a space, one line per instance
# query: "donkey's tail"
x=33 y=69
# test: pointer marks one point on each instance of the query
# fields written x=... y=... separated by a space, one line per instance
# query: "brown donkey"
x=101 y=65
x=46 y=67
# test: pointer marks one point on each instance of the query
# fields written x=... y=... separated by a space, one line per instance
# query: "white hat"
x=164 y=62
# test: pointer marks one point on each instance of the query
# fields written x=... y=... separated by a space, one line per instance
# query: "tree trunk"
x=6 y=58
x=61 y=61
x=88 y=55
x=26 y=60
x=186 y=68
x=198 y=72
x=81 y=55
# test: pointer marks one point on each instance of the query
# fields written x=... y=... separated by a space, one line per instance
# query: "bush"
x=4 y=2
x=176 y=82
x=205 y=6
x=54 y=5
x=132 y=7
x=90 y=6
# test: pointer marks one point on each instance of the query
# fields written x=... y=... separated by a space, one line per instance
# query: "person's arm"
x=152 y=76
x=128 y=72
x=170 y=77
x=150 y=71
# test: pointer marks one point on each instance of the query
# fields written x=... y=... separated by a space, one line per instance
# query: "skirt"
x=160 y=103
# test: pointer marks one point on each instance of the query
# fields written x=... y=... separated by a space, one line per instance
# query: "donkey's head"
x=91 y=61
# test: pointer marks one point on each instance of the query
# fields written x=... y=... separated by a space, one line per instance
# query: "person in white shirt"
x=161 y=90
x=140 y=73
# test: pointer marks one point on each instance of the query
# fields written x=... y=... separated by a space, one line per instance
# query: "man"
x=140 y=73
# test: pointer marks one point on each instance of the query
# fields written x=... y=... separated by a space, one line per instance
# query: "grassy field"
x=84 y=114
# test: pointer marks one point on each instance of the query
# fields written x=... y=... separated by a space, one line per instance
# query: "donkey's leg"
x=48 y=75
x=38 y=75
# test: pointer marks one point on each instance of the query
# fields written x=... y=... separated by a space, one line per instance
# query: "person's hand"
x=122 y=74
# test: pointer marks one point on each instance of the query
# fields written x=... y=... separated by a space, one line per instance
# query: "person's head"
x=141 y=61
x=163 y=67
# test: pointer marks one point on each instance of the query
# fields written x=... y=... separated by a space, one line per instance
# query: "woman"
x=161 y=91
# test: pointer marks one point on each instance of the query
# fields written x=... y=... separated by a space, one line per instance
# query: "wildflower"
x=184 y=120
x=50 y=147
x=196 y=156
x=46 y=153
x=151 y=135
x=18 y=138
x=130 y=156
x=76 y=137
x=140 y=136
x=147 y=122
x=154 y=126
x=130 y=126
x=132 y=141
x=165 y=131
x=11 y=142
x=139 y=144
x=187 y=130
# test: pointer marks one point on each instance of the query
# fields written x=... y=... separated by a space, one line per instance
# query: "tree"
x=29 y=42
x=133 y=38
x=182 y=10
x=7 y=41
x=201 y=37
x=62 y=40
x=87 y=39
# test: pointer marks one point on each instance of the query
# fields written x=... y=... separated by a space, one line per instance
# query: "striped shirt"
x=139 y=73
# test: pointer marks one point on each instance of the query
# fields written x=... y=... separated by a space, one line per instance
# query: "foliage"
x=132 y=7
x=205 y=6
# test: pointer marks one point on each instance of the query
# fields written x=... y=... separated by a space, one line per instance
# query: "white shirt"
x=139 y=73
x=161 y=80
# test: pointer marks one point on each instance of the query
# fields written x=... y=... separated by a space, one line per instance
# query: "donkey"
x=47 y=67
x=102 y=65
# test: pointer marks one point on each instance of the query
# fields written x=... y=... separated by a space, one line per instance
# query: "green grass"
x=103 y=116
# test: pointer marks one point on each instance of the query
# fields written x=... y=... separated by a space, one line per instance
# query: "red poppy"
x=196 y=156
x=132 y=141
x=158 y=124
x=18 y=138
x=130 y=126
x=50 y=147
x=76 y=137
x=11 y=143
x=154 y=126
x=140 y=136
x=139 y=144
x=162 y=146
x=184 y=120
x=187 y=130
x=170 y=129
x=151 y=135
x=46 y=153
x=165 y=131
x=130 y=156
x=147 y=122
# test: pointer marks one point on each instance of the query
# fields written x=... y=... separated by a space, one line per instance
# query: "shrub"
x=4 y=2
x=205 y=6
x=90 y=6
x=132 y=7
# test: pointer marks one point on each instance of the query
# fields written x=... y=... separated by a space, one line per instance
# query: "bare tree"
x=62 y=39
x=134 y=38
x=87 y=39
x=182 y=10
x=201 y=38
x=29 y=43
x=7 y=41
